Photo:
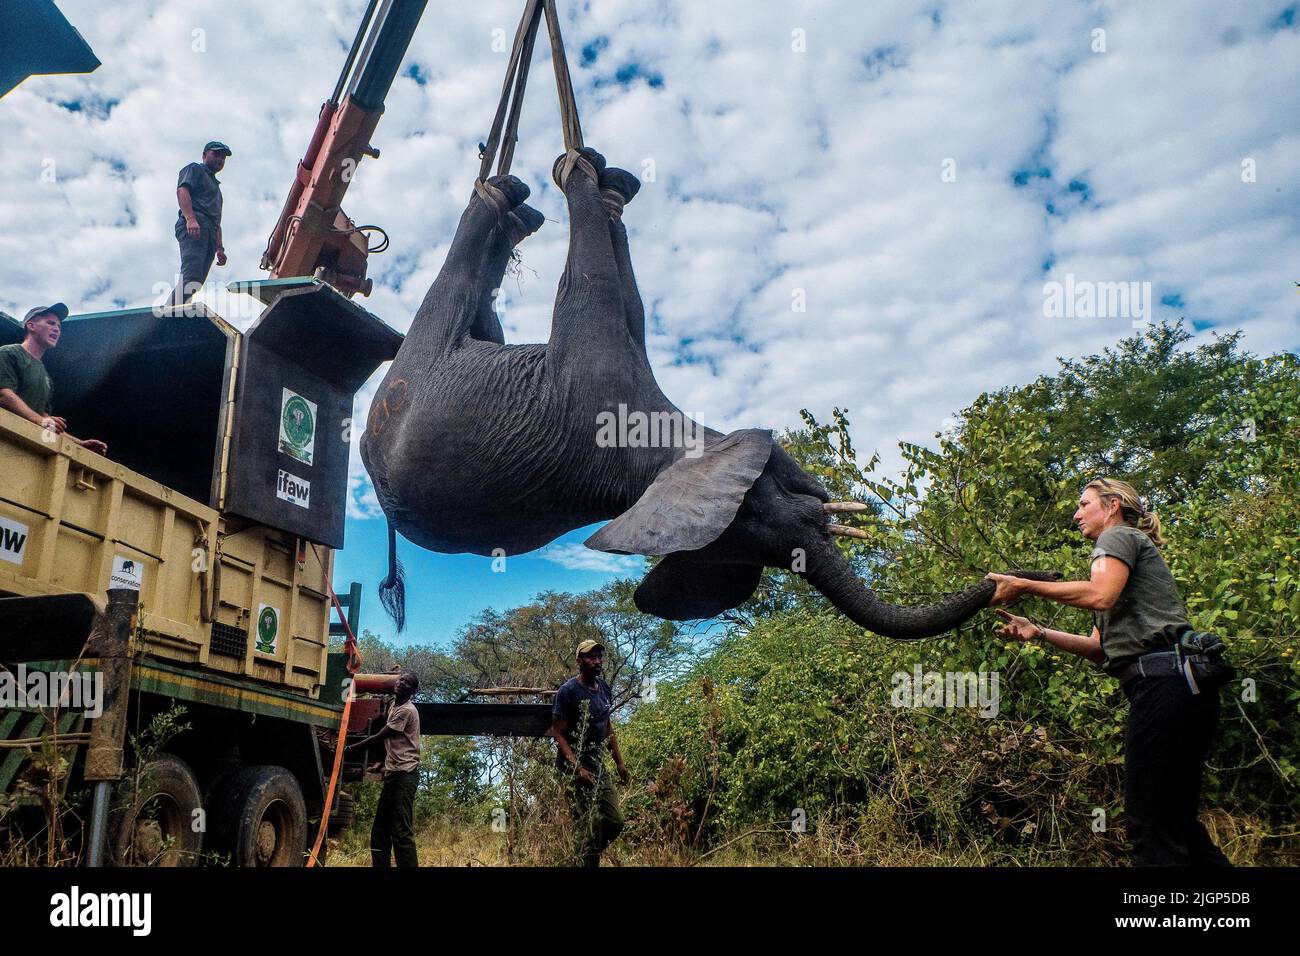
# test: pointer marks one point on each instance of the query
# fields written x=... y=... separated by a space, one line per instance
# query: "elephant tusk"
x=845 y=531
x=845 y=507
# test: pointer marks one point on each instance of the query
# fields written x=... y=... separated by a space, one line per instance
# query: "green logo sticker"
x=297 y=426
x=268 y=629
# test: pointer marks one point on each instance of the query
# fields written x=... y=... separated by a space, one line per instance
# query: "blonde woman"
x=1138 y=619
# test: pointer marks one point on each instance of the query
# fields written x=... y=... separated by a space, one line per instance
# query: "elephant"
x=477 y=446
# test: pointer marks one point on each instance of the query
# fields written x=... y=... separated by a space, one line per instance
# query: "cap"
x=587 y=646
x=58 y=308
x=219 y=146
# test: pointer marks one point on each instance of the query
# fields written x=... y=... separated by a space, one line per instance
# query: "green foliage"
x=449 y=777
x=789 y=718
x=795 y=711
x=150 y=741
x=451 y=784
x=797 y=719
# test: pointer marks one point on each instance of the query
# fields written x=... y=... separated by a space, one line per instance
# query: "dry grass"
x=874 y=840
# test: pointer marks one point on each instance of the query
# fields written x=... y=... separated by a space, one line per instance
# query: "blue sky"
x=912 y=173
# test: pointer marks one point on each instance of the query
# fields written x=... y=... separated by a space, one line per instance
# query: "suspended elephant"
x=482 y=447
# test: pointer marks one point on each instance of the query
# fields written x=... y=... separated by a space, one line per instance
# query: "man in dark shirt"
x=25 y=386
x=198 y=221
x=580 y=723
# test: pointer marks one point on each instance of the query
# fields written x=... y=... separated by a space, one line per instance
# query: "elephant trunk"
x=832 y=575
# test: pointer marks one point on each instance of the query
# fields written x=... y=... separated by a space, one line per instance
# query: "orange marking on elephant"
x=377 y=421
x=401 y=403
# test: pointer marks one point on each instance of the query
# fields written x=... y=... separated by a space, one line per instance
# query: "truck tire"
x=345 y=812
x=263 y=820
x=157 y=828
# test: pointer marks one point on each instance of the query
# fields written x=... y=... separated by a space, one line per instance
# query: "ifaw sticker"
x=13 y=540
x=292 y=488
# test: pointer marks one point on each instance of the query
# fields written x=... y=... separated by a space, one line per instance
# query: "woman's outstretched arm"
x=1098 y=593
x=1023 y=629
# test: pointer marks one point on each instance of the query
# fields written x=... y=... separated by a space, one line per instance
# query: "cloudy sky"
x=844 y=204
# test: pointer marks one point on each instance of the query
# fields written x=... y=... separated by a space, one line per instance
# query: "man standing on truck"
x=198 y=222
x=581 y=725
x=392 y=831
x=25 y=385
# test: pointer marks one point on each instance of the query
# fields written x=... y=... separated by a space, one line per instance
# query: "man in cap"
x=198 y=223
x=393 y=832
x=581 y=725
x=25 y=385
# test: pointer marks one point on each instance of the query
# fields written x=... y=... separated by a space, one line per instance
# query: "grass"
x=544 y=840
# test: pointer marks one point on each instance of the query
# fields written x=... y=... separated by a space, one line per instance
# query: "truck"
x=215 y=522
x=192 y=567
x=165 y=609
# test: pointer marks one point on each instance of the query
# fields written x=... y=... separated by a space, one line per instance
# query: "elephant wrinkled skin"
x=478 y=446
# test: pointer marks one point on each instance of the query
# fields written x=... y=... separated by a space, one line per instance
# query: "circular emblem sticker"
x=298 y=423
x=297 y=426
x=268 y=626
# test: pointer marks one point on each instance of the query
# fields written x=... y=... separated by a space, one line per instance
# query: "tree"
x=794 y=710
x=534 y=645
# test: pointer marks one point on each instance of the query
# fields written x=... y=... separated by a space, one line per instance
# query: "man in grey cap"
x=198 y=222
x=25 y=386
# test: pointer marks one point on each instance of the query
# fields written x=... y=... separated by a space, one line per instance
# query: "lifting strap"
x=505 y=126
x=354 y=665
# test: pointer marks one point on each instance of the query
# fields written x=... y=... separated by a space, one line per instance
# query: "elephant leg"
x=618 y=187
x=589 y=303
x=460 y=299
x=513 y=226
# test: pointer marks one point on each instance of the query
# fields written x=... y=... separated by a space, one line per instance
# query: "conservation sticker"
x=13 y=540
x=268 y=629
x=297 y=426
x=292 y=488
x=127 y=574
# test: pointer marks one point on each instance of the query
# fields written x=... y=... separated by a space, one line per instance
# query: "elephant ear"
x=691 y=502
x=682 y=588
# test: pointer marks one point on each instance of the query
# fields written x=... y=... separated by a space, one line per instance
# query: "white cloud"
x=775 y=170
x=577 y=557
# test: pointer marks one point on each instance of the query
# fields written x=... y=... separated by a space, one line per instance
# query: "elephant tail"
x=392 y=589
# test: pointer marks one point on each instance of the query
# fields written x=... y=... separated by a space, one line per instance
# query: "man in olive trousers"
x=581 y=725
x=393 y=833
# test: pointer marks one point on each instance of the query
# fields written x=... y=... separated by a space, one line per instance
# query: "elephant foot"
x=505 y=195
x=586 y=159
x=617 y=188
x=514 y=189
x=521 y=222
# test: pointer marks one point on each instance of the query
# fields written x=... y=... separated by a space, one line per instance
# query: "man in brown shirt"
x=392 y=832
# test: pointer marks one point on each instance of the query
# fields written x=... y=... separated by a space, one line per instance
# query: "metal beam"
x=486 y=720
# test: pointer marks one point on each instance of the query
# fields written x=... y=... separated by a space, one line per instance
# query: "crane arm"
x=313 y=236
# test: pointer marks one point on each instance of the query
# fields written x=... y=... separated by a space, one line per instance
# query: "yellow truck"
x=202 y=544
